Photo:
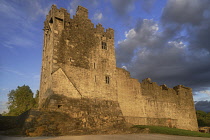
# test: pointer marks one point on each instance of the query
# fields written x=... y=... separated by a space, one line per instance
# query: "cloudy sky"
x=166 y=40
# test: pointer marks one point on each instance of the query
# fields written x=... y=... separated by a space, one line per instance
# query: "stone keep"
x=79 y=76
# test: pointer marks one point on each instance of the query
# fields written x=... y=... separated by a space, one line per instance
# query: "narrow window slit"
x=107 y=80
x=104 y=46
x=59 y=106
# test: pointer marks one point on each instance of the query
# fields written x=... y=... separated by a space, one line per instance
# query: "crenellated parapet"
x=110 y=33
x=79 y=21
x=153 y=89
x=178 y=88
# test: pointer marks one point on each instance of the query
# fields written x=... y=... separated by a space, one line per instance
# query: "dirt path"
x=109 y=137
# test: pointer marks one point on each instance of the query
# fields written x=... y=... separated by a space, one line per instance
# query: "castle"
x=79 y=77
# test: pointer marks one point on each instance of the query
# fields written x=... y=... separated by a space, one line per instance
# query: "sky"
x=165 y=40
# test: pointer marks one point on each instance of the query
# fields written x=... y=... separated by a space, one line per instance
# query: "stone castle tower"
x=79 y=76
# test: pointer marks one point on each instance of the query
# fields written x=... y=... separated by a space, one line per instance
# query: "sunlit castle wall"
x=79 y=64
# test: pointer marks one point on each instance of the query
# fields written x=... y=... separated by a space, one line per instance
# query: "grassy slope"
x=172 y=131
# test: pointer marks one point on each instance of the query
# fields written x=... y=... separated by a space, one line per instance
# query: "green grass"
x=172 y=131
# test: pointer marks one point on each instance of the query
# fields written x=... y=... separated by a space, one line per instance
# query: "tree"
x=203 y=118
x=36 y=99
x=20 y=100
x=208 y=119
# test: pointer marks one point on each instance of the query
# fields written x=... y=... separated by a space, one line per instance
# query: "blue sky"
x=165 y=40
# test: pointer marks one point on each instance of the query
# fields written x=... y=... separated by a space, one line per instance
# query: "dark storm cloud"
x=122 y=7
x=200 y=38
x=203 y=105
x=185 y=11
x=194 y=16
x=179 y=53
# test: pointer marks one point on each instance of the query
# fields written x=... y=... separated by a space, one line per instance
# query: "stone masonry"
x=79 y=77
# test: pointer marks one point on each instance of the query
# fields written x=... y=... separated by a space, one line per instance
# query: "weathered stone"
x=82 y=86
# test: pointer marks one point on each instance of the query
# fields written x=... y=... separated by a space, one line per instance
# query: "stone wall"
x=176 y=103
x=62 y=115
x=147 y=103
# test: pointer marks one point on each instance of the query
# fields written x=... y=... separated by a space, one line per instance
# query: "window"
x=51 y=20
x=94 y=65
x=107 y=79
x=103 y=45
x=59 y=106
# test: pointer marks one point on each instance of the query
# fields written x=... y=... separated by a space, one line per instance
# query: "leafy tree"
x=36 y=99
x=208 y=119
x=20 y=100
x=203 y=118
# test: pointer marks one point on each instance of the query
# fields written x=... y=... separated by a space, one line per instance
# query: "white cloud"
x=98 y=16
x=163 y=55
x=177 y=44
x=205 y=92
x=124 y=67
x=202 y=95
x=144 y=35
x=130 y=34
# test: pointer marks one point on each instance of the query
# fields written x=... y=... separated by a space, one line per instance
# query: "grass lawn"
x=172 y=131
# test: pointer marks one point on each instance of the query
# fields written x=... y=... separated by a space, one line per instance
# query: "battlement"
x=99 y=28
x=181 y=87
x=181 y=90
x=82 y=12
x=79 y=19
x=109 y=33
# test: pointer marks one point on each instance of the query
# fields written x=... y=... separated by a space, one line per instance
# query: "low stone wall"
x=69 y=116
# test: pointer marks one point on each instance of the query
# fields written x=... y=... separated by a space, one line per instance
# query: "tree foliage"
x=203 y=118
x=36 y=99
x=20 y=100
